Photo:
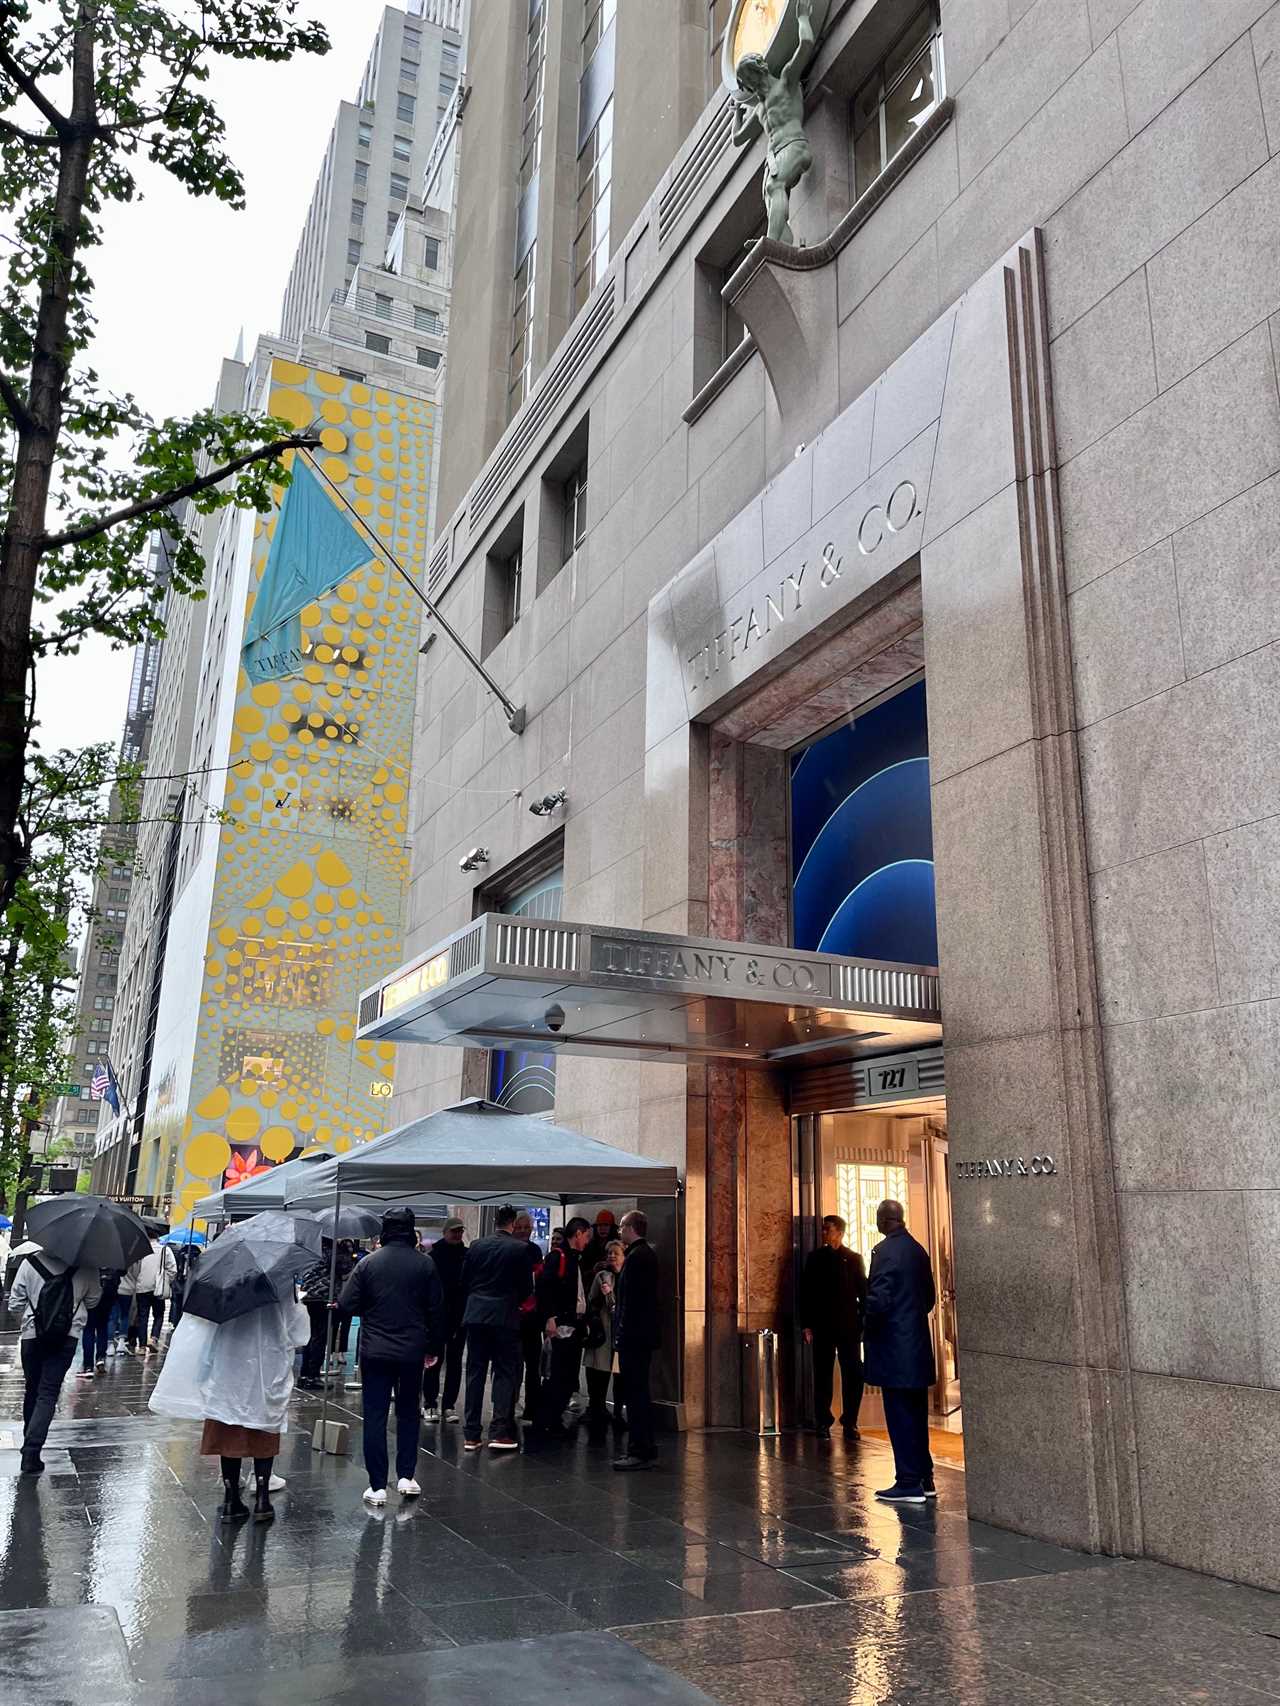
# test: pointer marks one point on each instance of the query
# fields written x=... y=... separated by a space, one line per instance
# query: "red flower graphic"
x=244 y=1167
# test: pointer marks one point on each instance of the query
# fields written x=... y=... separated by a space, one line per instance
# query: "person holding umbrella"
x=55 y=1289
x=230 y=1361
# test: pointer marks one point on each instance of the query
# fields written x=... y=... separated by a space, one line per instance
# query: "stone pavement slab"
x=746 y=1572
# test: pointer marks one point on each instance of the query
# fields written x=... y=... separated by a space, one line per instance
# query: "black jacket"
x=495 y=1281
x=637 y=1325
x=396 y=1292
x=899 y=1346
x=448 y=1259
x=556 y=1292
x=833 y=1292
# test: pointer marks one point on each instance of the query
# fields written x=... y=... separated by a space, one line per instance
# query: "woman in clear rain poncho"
x=237 y=1377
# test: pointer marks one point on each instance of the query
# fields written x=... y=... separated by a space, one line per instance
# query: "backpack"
x=55 y=1308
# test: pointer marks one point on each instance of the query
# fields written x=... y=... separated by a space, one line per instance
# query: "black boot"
x=263 y=1510
x=31 y=1463
x=233 y=1507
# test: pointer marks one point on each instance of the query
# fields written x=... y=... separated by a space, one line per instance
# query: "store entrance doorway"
x=848 y=1162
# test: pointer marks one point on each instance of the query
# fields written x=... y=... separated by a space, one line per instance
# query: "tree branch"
x=32 y=90
x=165 y=500
x=18 y=411
x=49 y=140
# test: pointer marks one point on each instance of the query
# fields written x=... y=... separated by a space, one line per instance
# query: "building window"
x=427 y=320
x=364 y=133
x=350 y=373
x=520 y=365
x=531 y=107
x=362 y=172
x=431 y=254
x=353 y=252
x=376 y=342
x=897 y=98
x=591 y=239
x=393 y=219
x=406 y=107
x=520 y=1079
x=399 y=187
x=513 y=582
x=503 y=584
x=596 y=18
x=357 y=213
x=408 y=71
x=575 y=511
x=428 y=358
x=382 y=306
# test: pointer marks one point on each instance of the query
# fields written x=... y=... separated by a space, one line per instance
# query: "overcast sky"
x=178 y=278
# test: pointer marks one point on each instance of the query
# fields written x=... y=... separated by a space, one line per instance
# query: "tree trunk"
x=21 y=543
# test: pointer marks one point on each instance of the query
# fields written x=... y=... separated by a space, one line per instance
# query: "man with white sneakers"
x=397 y=1294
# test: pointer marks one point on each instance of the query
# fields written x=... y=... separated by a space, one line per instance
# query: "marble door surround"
x=919 y=527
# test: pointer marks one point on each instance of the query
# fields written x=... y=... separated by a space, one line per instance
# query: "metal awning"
x=509 y=983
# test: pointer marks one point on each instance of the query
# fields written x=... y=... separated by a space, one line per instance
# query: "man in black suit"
x=495 y=1281
x=899 y=1352
x=833 y=1291
x=637 y=1334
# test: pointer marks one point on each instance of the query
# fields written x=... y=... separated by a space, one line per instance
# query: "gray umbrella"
x=351 y=1222
x=88 y=1232
x=251 y=1265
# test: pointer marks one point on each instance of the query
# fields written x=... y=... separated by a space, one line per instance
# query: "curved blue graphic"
x=862 y=837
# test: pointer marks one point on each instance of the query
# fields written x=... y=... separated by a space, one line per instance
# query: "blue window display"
x=862 y=837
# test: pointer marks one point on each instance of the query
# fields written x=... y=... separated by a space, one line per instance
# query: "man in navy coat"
x=898 y=1352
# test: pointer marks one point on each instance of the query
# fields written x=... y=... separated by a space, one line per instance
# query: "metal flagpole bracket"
x=515 y=714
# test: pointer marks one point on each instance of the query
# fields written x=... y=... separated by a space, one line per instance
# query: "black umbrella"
x=254 y=1263
x=351 y=1222
x=154 y=1225
x=88 y=1232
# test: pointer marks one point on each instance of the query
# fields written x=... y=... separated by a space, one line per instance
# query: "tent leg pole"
x=328 y=1320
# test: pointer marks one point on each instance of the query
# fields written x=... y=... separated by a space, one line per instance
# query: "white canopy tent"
x=477 y=1152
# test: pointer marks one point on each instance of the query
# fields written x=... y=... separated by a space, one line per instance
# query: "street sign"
x=67 y=1090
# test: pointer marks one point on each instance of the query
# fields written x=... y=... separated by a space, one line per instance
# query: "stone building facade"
x=1009 y=419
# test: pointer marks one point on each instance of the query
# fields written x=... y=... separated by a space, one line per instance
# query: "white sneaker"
x=575 y=1403
x=430 y=1413
x=451 y=1416
x=277 y=1484
x=407 y=1487
x=375 y=1498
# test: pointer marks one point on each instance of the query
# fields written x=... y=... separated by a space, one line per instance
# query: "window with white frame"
x=406 y=107
x=520 y=361
x=431 y=254
x=531 y=106
x=591 y=234
x=427 y=320
x=897 y=98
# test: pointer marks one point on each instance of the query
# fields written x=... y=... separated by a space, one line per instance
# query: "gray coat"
x=600 y=1306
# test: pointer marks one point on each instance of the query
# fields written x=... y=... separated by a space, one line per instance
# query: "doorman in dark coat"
x=637 y=1333
x=833 y=1292
x=899 y=1352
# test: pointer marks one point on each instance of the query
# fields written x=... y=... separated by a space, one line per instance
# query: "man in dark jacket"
x=530 y=1331
x=448 y=1253
x=562 y=1314
x=637 y=1333
x=833 y=1291
x=899 y=1352
x=396 y=1293
x=495 y=1281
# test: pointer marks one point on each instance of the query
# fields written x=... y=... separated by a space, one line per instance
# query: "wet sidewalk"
x=749 y=1574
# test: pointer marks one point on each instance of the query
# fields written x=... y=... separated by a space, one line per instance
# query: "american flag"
x=98 y=1087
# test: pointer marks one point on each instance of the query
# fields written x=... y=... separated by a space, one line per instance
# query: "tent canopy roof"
x=262 y=1191
x=477 y=1152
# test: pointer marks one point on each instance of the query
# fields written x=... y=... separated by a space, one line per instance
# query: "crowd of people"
x=520 y=1325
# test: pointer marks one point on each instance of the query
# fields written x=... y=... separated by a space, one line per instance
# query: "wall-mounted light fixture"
x=548 y=803
x=472 y=861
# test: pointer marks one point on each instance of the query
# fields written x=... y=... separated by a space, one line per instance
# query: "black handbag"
x=596 y=1332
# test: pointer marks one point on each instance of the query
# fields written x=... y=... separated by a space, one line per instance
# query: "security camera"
x=472 y=861
x=548 y=803
x=554 y=1018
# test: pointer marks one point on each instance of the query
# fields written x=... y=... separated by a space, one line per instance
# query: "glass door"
x=946 y=1394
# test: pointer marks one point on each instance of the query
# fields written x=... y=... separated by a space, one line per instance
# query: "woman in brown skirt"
x=237 y=1376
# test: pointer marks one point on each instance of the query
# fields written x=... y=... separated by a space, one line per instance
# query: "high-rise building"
x=892 y=613
x=366 y=361
x=375 y=159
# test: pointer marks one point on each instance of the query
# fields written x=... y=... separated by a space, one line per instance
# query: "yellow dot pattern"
x=313 y=869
